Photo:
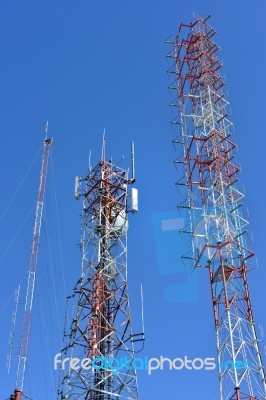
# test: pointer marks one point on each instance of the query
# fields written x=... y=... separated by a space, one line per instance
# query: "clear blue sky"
x=87 y=65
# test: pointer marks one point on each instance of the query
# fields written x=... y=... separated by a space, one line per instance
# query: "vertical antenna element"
x=142 y=310
x=210 y=199
x=26 y=323
x=12 y=333
x=90 y=162
x=133 y=162
x=103 y=146
x=46 y=128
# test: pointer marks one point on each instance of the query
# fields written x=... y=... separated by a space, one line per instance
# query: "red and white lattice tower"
x=26 y=323
x=100 y=330
x=212 y=200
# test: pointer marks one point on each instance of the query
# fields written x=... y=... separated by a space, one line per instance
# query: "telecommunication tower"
x=211 y=198
x=26 y=323
x=100 y=328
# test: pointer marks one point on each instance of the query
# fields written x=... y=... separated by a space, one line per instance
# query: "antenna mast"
x=211 y=200
x=26 y=323
x=101 y=329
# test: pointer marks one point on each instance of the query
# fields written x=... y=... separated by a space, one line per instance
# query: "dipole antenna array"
x=26 y=322
x=100 y=334
x=211 y=200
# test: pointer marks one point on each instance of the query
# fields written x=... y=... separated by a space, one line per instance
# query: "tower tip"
x=104 y=145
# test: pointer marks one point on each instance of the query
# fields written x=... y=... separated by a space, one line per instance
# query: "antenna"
x=199 y=95
x=90 y=161
x=262 y=337
x=103 y=146
x=77 y=187
x=101 y=321
x=134 y=200
x=140 y=337
x=12 y=332
x=46 y=128
x=26 y=322
x=133 y=179
x=142 y=310
x=133 y=162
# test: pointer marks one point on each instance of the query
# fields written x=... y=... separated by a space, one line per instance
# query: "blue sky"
x=86 y=66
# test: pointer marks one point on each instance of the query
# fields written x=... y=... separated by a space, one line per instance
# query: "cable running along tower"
x=211 y=199
x=26 y=322
x=101 y=325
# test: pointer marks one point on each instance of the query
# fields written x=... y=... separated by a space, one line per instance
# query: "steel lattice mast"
x=101 y=327
x=211 y=199
x=26 y=323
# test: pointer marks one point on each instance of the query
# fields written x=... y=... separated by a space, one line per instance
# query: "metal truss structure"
x=212 y=200
x=26 y=323
x=100 y=331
